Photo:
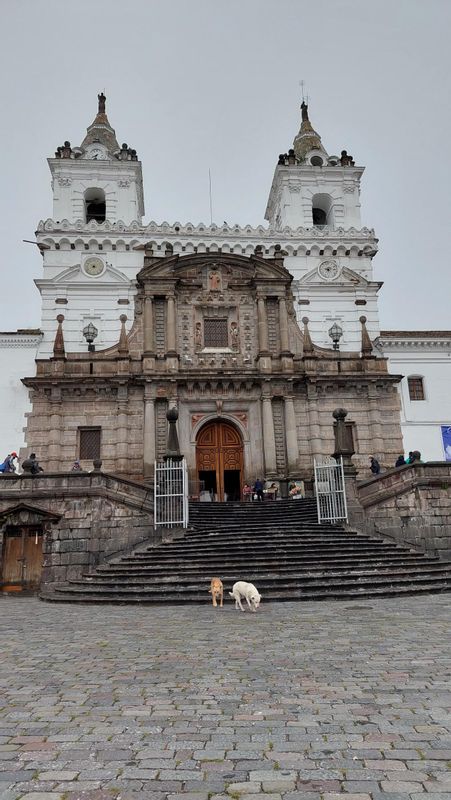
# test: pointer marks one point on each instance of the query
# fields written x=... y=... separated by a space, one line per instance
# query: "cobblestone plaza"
x=305 y=701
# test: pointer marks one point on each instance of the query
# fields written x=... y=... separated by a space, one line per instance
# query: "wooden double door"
x=22 y=558
x=219 y=461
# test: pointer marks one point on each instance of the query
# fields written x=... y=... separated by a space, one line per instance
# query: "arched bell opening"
x=219 y=461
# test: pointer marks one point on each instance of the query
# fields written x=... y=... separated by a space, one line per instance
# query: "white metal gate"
x=171 y=494
x=330 y=490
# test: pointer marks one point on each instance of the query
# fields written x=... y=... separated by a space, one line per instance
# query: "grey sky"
x=199 y=84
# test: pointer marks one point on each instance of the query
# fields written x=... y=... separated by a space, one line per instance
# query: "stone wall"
x=99 y=515
x=411 y=505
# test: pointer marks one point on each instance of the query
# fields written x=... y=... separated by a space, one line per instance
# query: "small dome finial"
x=102 y=100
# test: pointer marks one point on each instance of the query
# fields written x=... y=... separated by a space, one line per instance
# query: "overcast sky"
x=199 y=84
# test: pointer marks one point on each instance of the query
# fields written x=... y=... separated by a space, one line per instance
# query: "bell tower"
x=99 y=180
x=311 y=188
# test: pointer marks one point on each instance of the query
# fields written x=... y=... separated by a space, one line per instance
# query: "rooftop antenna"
x=211 y=202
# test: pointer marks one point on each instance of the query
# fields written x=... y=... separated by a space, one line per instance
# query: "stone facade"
x=216 y=335
x=86 y=518
x=411 y=505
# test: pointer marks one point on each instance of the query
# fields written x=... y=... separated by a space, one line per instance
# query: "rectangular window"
x=416 y=388
x=216 y=333
x=90 y=443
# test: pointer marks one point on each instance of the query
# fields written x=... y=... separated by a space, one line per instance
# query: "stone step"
x=230 y=570
x=267 y=580
x=280 y=546
x=86 y=593
x=221 y=555
x=233 y=561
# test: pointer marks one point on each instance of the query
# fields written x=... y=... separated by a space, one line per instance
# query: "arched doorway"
x=219 y=460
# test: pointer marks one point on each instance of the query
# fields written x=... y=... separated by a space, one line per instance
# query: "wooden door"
x=22 y=558
x=219 y=448
x=32 y=557
x=12 y=557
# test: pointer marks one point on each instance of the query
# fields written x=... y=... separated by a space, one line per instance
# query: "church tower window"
x=322 y=211
x=95 y=205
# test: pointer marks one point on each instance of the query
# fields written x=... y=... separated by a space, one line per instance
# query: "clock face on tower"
x=93 y=266
x=96 y=152
x=329 y=270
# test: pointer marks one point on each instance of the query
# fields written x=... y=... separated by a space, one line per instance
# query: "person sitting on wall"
x=272 y=490
x=416 y=457
x=76 y=466
x=8 y=465
x=31 y=465
x=375 y=467
x=400 y=461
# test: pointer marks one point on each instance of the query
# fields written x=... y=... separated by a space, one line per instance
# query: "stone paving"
x=306 y=701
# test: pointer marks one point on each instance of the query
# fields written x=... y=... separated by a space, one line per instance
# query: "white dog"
x=249 y=592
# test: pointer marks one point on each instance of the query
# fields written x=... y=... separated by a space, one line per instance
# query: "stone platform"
x=312 y=701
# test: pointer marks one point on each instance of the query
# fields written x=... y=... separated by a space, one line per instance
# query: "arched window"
x=416 y=387
x=95 y=205
x=322 y=210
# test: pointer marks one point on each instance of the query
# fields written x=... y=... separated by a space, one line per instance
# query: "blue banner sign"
x=446 y=437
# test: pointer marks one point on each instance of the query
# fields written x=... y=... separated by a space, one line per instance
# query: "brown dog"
x=216 y=591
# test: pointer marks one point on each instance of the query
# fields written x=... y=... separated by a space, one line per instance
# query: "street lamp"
x=90 y=332
x=335 y=333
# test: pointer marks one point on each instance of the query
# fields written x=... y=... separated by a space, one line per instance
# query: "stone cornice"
x=411 y=341
x=9 y=340
x=221 y=232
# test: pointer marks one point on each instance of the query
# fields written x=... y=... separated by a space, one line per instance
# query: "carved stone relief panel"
x=272 y=311
x=160 y=325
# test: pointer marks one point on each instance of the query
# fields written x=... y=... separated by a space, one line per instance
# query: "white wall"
x=421 y=420
x=17 y=360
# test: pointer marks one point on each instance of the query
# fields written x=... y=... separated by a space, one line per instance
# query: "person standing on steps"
x=258 y=489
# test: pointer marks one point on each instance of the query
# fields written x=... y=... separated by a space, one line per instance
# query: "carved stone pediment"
x=25 y=514
x=214 y=271
x=75 y=275
x=330 y=272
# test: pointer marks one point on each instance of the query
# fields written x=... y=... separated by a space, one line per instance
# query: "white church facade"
x=256 y=334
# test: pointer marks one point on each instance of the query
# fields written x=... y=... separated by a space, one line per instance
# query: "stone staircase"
x=279 y=546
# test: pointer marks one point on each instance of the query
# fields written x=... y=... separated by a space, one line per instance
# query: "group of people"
x=414 y=455
x=30 y=465
x=257 y=491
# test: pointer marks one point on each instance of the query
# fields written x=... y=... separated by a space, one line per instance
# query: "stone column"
x=121 y=439
x=148 y=324
x=314 y=424
x=376 y=435
x=170 y=322
x=54 y=445
x=269 y=439
x=149 y=448
x=291 y=436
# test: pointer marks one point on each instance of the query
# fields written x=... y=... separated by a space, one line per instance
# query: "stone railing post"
x=344 y=447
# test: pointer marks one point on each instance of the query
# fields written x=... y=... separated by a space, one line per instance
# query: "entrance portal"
x=22 y=558
x=219 y=460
